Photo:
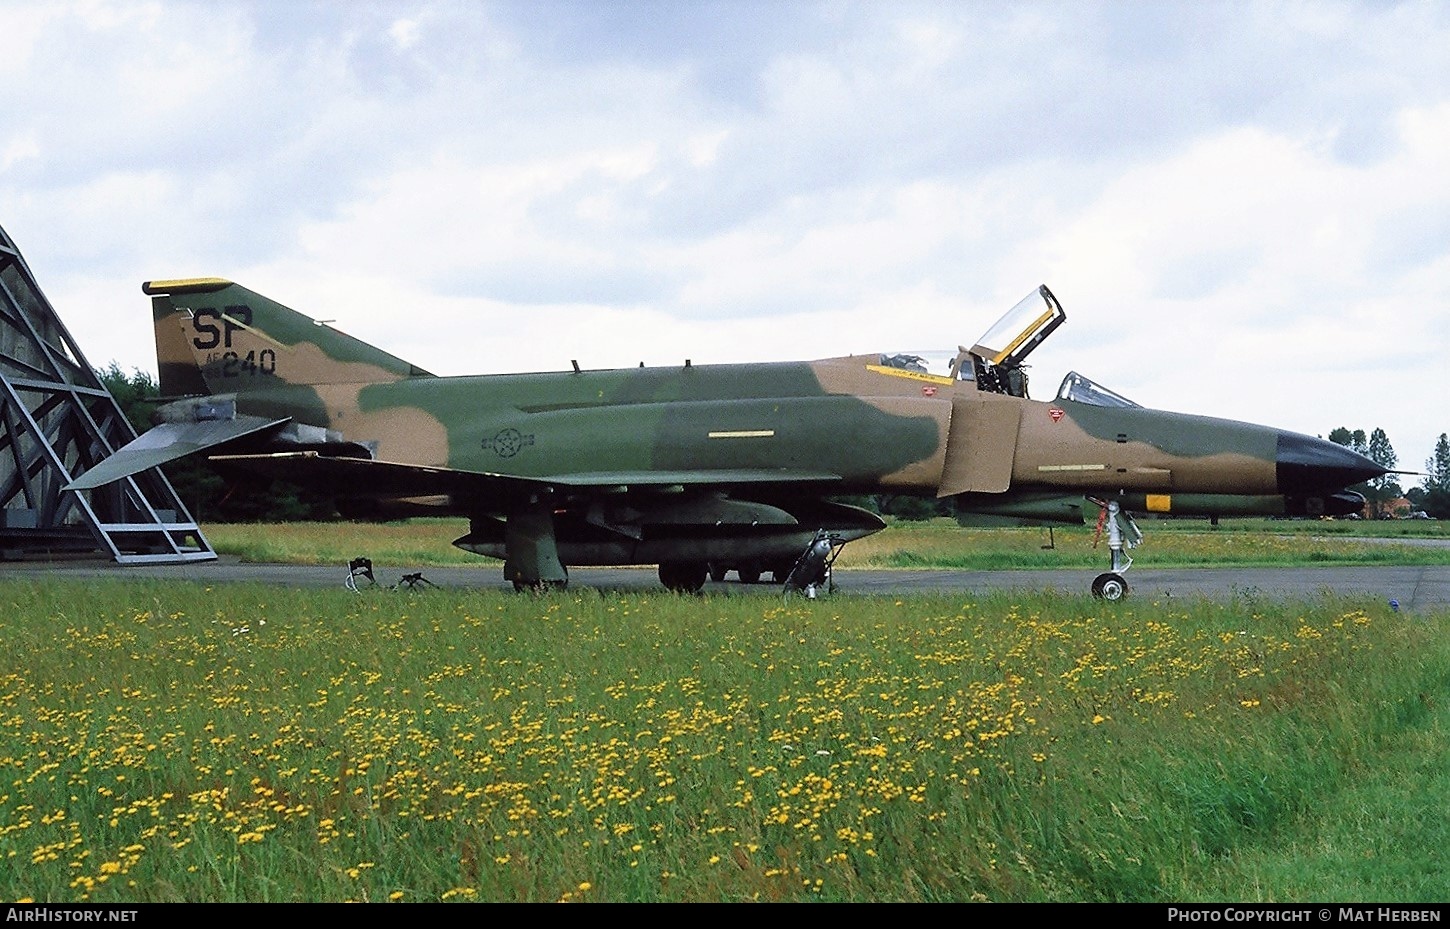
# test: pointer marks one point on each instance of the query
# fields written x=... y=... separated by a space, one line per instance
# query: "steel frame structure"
x=57 y=420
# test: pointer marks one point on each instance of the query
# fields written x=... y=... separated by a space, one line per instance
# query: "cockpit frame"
x=997 y=357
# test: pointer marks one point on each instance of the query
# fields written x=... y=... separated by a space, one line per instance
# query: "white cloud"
x=1257 y=260
x=24 y=25
x=18 y=148
x=404 y=32
x=1243 y=209
x=702 y=149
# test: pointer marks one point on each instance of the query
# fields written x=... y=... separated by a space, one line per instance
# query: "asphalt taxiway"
x=1413 y=588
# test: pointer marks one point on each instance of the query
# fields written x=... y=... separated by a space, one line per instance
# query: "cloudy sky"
x=1243 y=206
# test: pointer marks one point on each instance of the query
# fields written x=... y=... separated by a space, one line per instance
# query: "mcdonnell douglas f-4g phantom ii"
x=733 y=466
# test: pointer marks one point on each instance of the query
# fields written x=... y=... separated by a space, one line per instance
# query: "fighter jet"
x=690 y=467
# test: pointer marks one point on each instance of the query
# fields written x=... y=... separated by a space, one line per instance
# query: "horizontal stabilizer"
x=170 y=441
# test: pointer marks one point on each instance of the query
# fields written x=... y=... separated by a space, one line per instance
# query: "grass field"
x=177 y=742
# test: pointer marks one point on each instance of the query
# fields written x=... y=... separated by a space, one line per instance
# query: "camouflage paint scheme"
x=682 y=466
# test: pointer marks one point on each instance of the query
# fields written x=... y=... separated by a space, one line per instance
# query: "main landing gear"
x=812 y=571
x=1123 y=534
x=684 y=577
x=533 y=554
x=808 y=575
x=751 y=572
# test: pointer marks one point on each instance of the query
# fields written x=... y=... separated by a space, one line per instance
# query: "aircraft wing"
x=168 y=442
x=367 y=477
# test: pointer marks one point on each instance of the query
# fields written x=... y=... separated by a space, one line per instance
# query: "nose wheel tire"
x=1110 y=587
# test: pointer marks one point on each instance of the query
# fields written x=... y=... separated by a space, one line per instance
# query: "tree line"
x=1431 y=496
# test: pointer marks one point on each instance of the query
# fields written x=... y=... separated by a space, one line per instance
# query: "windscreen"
x=1080 y=389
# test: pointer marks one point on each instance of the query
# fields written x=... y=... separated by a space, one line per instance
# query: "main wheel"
x=685 y=577
x=1110 y=586
x=718 y=572
x=541 y=586
x=749 y=574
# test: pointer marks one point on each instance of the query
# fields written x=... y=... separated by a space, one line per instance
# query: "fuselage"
x=861 y=427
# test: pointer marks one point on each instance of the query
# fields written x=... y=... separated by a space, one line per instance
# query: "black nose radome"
x=1310 y=465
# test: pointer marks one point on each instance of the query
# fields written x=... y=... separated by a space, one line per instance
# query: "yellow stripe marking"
x=1158 y=503
x=1022 y=337
x=183 y=285
x=912 y=375
x=744 y=434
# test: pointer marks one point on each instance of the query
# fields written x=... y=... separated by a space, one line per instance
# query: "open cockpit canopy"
x=1021 y=329
x=995 y=361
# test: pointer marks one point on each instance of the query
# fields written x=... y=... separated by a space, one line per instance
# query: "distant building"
x=1390 y=509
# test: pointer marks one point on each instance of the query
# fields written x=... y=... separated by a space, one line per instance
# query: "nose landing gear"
x=1123 y=534
x=1110 y=586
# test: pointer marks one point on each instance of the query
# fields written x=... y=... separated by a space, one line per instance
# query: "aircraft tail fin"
x=215 y=337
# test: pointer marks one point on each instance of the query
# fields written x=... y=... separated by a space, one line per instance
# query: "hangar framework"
x=58 y=420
